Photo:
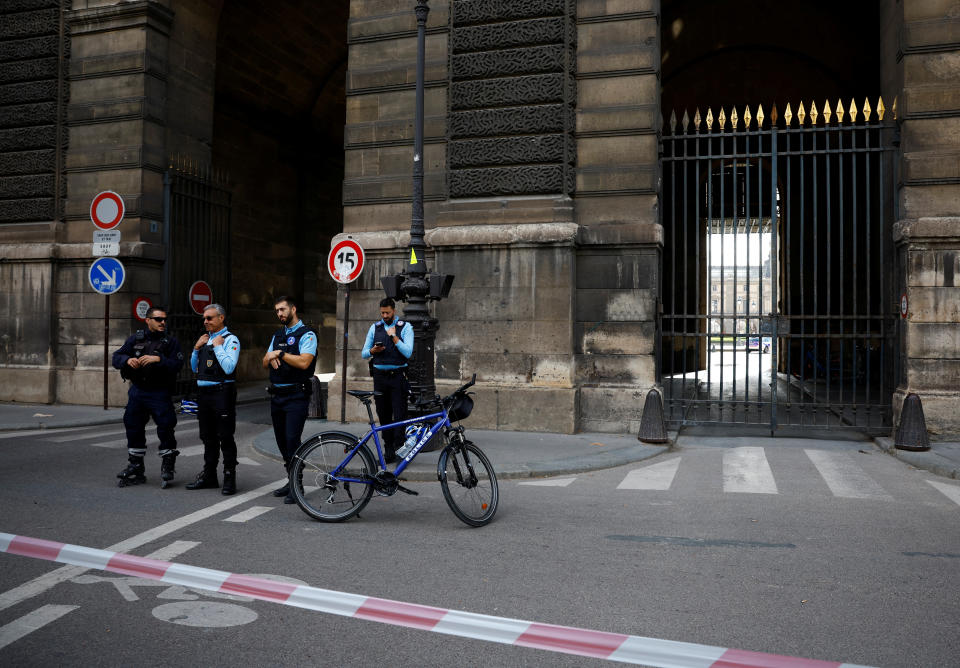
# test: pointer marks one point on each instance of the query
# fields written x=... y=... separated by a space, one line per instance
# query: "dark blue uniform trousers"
x=217 y=415
x=141 y=406
x=289 y=414
x=391 y=407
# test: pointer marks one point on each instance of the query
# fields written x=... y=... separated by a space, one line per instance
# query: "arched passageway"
x=278 y=133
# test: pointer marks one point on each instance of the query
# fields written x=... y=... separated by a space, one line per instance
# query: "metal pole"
x=106 y=346
x=415 y=287
x=343 y=364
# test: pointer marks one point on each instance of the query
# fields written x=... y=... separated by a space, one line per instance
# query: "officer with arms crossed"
x=214 y=360
x=292 y=359
x=388 y=346
x=150 y=360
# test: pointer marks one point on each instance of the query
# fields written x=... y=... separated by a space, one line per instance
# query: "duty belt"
x=389 y=373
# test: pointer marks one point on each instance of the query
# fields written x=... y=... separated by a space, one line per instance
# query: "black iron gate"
x=777 y=305
x=197 y=237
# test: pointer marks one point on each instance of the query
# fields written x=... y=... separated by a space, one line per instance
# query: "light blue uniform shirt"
x=308 y=345
x=227 y=354
x=404 y=345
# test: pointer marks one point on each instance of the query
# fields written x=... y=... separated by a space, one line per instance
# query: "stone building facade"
x=542 y=188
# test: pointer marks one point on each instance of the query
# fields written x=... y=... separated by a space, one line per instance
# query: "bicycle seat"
x=363 y=394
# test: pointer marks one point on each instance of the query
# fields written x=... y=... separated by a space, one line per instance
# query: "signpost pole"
x=343 y=365
x=106 y=346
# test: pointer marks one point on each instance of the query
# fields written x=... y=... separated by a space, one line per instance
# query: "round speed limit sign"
x=345 y=261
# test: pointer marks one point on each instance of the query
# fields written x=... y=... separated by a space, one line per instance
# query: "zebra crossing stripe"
x=844 y=478
x=655 y=477
x=747 y=471
x=562 y=639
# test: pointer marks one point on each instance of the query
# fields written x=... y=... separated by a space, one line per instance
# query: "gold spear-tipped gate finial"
x=826 y=112
x=759 y=116
x=788 y=115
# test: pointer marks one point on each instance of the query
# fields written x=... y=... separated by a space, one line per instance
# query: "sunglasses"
x=158 y=319
x=212 y=317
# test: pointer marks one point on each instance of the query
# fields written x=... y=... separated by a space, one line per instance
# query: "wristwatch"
x=282 y=353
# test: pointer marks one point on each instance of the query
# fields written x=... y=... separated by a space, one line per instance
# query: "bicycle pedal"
x=407 y=491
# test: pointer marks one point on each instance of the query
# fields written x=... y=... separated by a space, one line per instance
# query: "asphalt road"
x=839 y=553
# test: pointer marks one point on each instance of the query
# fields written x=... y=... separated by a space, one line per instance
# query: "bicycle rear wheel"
x=323 y=496
x=468 y=482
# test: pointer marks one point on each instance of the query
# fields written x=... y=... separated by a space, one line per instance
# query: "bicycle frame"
x=374 y=432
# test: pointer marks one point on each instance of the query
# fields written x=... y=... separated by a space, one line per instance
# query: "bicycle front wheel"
x=323 y=496
x=468 y=482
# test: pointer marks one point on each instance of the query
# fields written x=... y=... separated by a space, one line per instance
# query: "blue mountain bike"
x=333 y=474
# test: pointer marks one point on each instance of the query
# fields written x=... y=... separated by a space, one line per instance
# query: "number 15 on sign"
x=345 y=261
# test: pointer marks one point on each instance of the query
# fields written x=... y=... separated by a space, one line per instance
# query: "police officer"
x=291 y=358
x=150 y=360
x=214 y=360
x=388 y=346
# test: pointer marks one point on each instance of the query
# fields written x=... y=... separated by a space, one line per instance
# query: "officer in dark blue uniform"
x=389 y=346
x=292 y=359
x=214 y=360
x=150 y=360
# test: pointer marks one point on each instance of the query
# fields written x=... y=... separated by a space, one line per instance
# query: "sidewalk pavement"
x=513 y=454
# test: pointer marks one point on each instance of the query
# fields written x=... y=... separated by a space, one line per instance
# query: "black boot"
x=206 y=479
x=133 y=474
x=229 y=481
x=285 y=490
x=168 y=468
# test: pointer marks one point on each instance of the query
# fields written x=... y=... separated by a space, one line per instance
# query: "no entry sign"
x=106 y=210
x=200 y=296
x=140 y=307
x=345 y=261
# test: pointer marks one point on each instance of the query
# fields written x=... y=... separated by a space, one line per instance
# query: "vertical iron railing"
x=197 y=230
x=776 y=305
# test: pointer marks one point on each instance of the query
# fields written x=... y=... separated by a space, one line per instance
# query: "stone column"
x=617 y=271
x=928 y=229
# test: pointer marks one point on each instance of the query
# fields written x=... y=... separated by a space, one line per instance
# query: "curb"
x=114 y=417
x=424 y=468
x=928 y=460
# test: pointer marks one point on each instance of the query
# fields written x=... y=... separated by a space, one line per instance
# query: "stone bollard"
x=912 y=432
x=652 y=427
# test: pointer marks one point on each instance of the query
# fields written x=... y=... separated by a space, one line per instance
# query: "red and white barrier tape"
x=565 y=639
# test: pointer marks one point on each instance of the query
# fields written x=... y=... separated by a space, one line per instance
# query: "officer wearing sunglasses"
x=150 y=360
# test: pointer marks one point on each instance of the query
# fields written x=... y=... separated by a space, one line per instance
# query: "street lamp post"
x=415 y=285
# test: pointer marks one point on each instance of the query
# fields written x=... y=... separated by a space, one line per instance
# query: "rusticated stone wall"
x=511 y=98
x=34 y=54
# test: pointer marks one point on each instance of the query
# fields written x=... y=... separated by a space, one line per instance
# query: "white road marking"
x=204 y=614
x=549 y=482
x=17 y=433
x=746 y=471
x=84 y=437
x=122 y=442
x=49 y=580
x=952 y=492
x=90 y=436
x=654 y=477
x=32 y=621
x=844 y=478
x=246 y=461
x=191 y=451
x=248 y=514
x=173 y=550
